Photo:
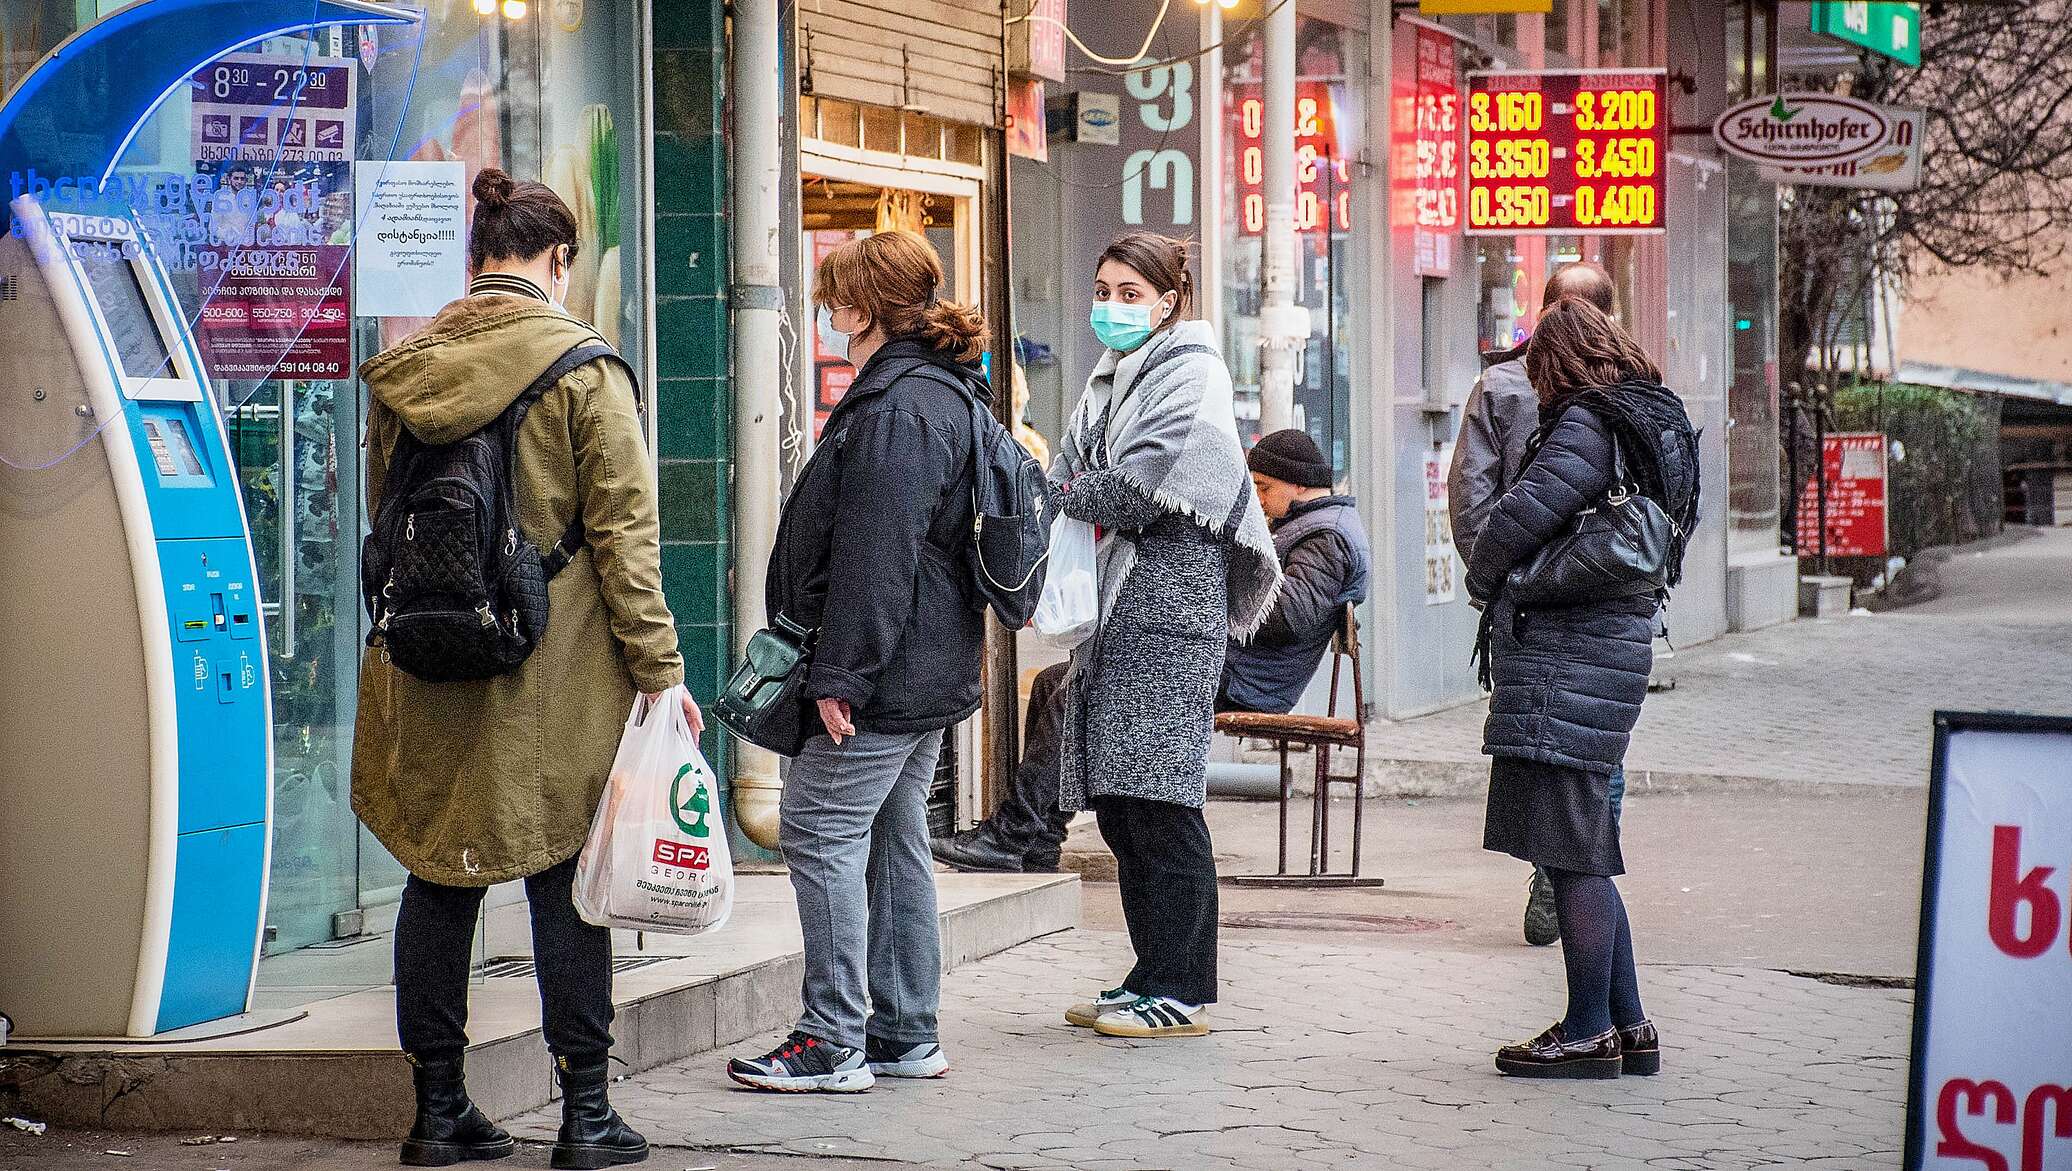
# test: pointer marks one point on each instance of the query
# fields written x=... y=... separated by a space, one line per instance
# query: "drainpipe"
x=1209 y=290
x=758 y=303
x=1282 y=325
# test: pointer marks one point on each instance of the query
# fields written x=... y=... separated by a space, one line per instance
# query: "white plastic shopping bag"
x=1070 y=607
x=657 y=857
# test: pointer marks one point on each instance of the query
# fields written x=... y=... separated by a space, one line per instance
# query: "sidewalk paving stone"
x=1846 y=699
x=1336 y=1055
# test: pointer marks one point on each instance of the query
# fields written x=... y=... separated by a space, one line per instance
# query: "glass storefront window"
x=1330 y=71
x=549 y=97
x=1753 y=492
x=1623 y=33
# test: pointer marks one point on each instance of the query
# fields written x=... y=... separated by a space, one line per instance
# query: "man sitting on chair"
x=1323 y=551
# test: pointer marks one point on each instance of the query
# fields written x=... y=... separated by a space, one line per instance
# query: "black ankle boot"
x=449 y=1128
x=592 y=1133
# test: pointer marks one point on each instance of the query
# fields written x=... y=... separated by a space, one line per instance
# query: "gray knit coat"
x=1140 y=703
x=1140 y=700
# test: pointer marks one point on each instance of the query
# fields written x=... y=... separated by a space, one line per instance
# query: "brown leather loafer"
x=1552 y=1055
x=1640 y=1048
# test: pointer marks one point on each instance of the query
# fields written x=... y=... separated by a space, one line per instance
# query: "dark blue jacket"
x=1567 y=682
x=1324 y=562
x=870 y=548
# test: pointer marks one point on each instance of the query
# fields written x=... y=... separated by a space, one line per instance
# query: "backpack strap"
x=556 y=559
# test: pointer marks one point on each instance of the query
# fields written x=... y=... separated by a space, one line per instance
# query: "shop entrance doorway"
x=842 y=199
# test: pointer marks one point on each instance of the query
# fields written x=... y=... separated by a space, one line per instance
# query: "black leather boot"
x=978 y=850
x=592 y=1133
x=449 y=1128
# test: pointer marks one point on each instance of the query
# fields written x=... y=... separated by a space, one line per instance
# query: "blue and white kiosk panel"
x=144 y=804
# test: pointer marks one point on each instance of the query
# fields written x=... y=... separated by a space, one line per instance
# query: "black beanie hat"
x=1292 y=457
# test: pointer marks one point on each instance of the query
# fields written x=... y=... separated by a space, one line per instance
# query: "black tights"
x=1597 y=948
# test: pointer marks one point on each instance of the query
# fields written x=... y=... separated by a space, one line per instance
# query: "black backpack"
x=455 y=590
x=1010 y=532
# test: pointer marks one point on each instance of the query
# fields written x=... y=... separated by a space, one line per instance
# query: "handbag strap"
x=1623 y=488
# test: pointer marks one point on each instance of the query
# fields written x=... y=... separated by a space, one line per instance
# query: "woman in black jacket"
x=1568 y=682
x=868 y=554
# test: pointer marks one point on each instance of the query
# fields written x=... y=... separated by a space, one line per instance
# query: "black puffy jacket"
x=870 y=548
x=1568 y=682
x=1323 y=552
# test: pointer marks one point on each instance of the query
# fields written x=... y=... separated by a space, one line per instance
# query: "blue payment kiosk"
x=135 y=722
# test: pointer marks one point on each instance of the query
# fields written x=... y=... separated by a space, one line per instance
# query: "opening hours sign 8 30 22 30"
x=1577 y=151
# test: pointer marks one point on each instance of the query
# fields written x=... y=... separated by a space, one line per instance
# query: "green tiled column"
x=692 y=401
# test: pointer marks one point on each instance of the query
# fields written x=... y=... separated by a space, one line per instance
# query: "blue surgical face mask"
x=1121 y=327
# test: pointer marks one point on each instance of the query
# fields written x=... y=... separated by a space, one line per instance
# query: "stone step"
x=331 y=1066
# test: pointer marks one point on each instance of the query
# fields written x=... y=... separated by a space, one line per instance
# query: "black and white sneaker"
x=805 y=1064
x=1154 y=1016
x=888 y=1059
x=1084 y=1015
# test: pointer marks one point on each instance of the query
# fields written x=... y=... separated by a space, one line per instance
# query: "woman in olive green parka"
x=476 y=783
x=481 y=782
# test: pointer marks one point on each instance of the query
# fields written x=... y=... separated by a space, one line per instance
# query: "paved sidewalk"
x=1845 y=699
x=1762 y=1069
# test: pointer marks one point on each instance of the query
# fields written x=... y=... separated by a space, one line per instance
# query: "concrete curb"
x=366 y=1094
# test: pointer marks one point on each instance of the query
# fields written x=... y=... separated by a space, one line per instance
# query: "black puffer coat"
x=1568 y=682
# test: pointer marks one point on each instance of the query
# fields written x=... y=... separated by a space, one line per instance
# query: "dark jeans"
x=1166 y=869
x=435 y=931
x=1029 y=820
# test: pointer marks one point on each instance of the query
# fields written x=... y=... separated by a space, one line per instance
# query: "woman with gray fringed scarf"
x=1151 y=458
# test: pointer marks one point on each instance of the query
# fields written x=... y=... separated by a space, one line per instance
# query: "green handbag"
x=765 y=701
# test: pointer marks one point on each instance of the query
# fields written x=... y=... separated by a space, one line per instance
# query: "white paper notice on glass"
x=410 y=254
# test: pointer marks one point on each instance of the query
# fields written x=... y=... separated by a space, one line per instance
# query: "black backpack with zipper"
x=455 y=590
x=1009 y=549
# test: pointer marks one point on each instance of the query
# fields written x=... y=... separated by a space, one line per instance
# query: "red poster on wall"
x=1424 y=167
x=1853 y=464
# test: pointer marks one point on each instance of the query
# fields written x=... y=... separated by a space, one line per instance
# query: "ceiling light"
x=485 y=7
x=514 y=9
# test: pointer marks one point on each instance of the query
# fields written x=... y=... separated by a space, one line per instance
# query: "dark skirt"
x=1552 y=815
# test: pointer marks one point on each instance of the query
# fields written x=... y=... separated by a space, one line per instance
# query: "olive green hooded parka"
x=480 y=782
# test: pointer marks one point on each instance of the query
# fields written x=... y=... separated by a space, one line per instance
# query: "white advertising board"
x=413 y=237
x=1991 y=1078
x=1894 y=166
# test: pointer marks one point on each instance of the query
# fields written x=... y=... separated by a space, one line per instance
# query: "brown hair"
x=517 y=221
x=1577 y=346
x=891 y=277
x=1162 y=260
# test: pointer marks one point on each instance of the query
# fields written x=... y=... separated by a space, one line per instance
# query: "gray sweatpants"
x=853 y=826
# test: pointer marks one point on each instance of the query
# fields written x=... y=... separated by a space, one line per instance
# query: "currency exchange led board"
x=1576 y=152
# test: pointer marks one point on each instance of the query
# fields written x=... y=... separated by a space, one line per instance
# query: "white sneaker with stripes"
x=1154 y=1016
x=1085 y=1014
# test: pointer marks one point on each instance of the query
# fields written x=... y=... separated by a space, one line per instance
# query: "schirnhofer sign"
x=1801 y=129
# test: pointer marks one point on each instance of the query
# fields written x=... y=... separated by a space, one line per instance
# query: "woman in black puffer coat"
x=1568 y=682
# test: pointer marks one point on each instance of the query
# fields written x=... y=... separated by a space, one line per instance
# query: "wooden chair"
x=1320 y=734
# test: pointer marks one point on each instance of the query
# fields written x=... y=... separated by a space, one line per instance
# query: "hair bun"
x=493 y=188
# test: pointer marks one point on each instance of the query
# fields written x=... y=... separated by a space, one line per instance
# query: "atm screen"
x=120 y=295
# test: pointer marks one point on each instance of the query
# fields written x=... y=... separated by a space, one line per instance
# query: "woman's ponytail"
x=958 y=330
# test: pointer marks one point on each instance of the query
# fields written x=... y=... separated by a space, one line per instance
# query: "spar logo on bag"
x=690 y=814
x=699 y=802
x=682 y=854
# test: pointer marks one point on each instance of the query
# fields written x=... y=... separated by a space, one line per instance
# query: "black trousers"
x=1167 y=871
x=435 y=932
x=1029 y=820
